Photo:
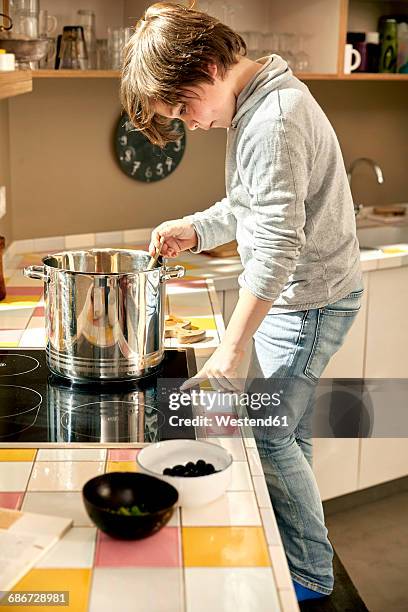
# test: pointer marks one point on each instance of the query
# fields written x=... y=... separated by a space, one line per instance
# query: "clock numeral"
x=177 y=145
x=129 y=154
x=128 y=126
x=148 y=173
x=169 y=164
x=123 y=140
x=159 y=169
x=136 y=166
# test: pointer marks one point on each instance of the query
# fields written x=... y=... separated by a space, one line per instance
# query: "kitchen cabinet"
x=382 y=459
x=335 y=465
x=387 y=329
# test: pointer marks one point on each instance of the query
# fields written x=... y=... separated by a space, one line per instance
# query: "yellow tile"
x=8 y=517
x=76 y=581
x=9 y=344
x=203 y=322
x=224 y=547
x=20 y=300
x=17 y=454
x=121 y=466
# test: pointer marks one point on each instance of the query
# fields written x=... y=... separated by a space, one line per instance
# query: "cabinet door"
x=387 y=327
x=335 y=465
x=382 y=459
x=348 y=362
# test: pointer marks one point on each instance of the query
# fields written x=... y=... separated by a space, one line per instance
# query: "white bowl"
x=193 y=491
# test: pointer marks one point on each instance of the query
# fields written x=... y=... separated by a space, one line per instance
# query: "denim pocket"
x=333 y=323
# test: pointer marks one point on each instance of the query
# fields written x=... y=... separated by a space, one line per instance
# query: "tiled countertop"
x=225 y=557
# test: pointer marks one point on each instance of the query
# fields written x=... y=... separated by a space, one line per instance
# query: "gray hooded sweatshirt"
x=288 y=200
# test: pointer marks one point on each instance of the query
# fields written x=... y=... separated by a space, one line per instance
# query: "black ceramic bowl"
x=113 y=490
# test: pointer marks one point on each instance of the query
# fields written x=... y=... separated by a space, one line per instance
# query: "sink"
x=382 y=236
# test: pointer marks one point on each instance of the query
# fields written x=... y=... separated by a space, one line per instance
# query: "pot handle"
x=172 y=272
x=37 y=272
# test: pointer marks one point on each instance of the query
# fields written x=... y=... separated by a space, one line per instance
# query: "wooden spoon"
x=155 y=257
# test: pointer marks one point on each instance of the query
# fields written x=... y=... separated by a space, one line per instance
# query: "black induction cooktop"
x=37 y=407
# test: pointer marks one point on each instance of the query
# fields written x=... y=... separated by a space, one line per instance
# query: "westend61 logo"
x=254 y=401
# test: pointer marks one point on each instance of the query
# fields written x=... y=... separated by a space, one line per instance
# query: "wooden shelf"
x=15 y=82
x=75 y=74
x=303 y=76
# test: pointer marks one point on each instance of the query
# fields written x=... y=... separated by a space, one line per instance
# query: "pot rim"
x=160 y=265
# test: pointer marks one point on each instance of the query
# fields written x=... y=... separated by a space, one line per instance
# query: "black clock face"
x=141 y=160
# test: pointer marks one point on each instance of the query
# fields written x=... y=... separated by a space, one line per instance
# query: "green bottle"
x=388 y=45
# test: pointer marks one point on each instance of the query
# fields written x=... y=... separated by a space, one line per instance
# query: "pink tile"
x=39 y=311
x=123 y=454
x=159 y=550
x=11 y=500
x=24 y=290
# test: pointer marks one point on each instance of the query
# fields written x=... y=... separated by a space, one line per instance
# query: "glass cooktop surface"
x=38 y=407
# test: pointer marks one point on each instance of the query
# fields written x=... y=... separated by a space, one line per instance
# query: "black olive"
x=190 y=465
x=168 y=472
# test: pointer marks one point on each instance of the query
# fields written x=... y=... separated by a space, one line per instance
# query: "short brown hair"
x=169 y=51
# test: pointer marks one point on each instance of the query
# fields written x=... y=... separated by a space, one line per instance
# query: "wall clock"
x=141 y=160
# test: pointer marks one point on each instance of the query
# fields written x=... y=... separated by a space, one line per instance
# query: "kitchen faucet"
x=374 y=166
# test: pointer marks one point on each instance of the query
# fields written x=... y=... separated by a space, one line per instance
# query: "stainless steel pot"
x=104 y=313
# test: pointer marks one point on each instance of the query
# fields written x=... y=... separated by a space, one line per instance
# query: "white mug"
x=349 y=65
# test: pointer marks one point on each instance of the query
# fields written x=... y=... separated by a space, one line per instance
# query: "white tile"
x=43 y=245
x=142 y=589
x=240 y=477
x=33 y=337
x=231 y=590
x=23 y=246
x=75 y=549
x=71 y=454
x=270 y=527
x=254 y=461
x=63 y=475
x=108 y=238
x=280 y=567
x=58 y=503
x=79 y=240
x=136 y=236
x=14 y=475
x=237 y=508
x=288 y=600
x=261 y=492
x=232 y=445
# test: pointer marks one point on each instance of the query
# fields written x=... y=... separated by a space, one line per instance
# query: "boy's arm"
x=214 y=226
x=276 y=167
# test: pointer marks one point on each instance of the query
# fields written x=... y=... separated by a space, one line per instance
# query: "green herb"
x=132 y=511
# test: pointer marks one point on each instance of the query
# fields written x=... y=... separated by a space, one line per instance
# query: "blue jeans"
x=298 y=345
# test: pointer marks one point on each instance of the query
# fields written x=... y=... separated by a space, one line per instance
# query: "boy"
x=289 y=205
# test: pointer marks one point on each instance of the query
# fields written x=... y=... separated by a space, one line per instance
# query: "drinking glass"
x=86 y=19
x=25 y=16
x=117 y=39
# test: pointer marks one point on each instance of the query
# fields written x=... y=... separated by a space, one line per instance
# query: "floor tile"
x=14 y=475
x=11 y=500
x=75 y=549
x=59 y=503
x=123 y=454
x=17 y=454
x=76 y=581
x=121 y=466
x=240 y=478
x=224 y=547
x=63 y=476
x=154 y=589
x=159 y=550
x=71 y=454
x=231 y=590
x=233 y=508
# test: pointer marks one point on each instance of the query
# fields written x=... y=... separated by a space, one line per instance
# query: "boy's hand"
x=179 y=235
